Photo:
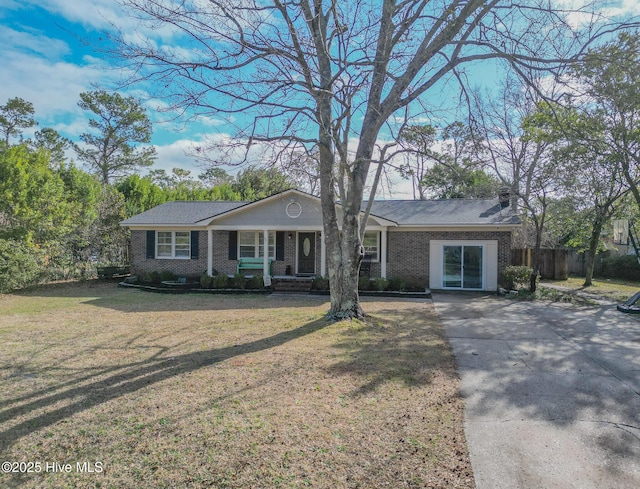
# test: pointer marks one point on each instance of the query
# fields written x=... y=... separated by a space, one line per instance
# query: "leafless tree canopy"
x=329 y=75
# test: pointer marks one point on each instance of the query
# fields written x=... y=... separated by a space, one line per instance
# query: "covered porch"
x=295 y=252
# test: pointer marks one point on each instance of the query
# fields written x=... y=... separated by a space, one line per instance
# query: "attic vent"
x=294 y=210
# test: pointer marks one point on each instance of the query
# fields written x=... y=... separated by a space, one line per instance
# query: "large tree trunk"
x=539 y=220
x=343 y=260
x=343 y=250
x=593 y=249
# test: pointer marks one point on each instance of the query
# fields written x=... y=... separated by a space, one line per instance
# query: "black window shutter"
x=387 y=247
x=151 y=244
x=195 y=244
x=233 y=245
x=279 y=245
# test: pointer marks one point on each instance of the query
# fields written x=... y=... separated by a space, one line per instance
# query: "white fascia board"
x=164 y=227
x=287 y=228
x=250 y=227
x=457 y=227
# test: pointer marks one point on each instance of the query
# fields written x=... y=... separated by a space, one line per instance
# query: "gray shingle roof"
x=181 y=213
x=449 y=212
x=444 y=212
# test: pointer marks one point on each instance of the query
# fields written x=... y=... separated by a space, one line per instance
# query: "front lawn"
x=614 y=289
x=225 y=391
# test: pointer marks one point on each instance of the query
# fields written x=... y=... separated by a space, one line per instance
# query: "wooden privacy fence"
x=554 y=263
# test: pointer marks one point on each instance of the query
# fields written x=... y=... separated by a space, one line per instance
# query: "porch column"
x=323 y=256
x=209 y=252
x=383 y=253
x=265 y=242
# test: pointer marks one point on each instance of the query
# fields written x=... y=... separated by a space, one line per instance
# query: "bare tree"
x=522 y=162
x=324 y=73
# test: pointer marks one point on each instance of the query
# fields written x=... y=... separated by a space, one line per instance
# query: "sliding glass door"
x=462 y=267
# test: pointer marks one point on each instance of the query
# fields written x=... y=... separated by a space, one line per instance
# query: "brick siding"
x=408 y=253
x=141 y=265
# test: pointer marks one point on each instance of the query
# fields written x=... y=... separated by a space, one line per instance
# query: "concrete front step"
x=292 y=284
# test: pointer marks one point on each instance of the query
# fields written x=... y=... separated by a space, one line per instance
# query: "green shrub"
x=206 y=281
x=517 y=277
x=238 y=281
x=167 y=275
x=380 y=284
x=220 y=281
x=20 y=265
x=255 y=282
x=320 y=283
x=623 y=267
x=396 y=283
x=364 y=283
x=153 y=277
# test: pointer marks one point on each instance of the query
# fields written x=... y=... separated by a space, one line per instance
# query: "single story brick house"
x=445 y=244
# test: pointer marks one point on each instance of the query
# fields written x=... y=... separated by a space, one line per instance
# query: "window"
x=251 y=244
x=165 y=248
x=182 y=248
x=173 y=244
x=371 y=243
x=247 y=243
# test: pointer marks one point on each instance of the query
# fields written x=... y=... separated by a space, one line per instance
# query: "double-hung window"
x=251 y=244
x=371 y=243
x=173 y=244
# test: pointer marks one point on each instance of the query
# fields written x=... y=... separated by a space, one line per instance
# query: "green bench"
x=253 y=264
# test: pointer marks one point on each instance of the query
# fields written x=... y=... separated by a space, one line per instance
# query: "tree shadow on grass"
x=107 y=295
x=111 y=383
x=405 y=345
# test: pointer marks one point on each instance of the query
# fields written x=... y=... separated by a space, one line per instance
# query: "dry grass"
x=226 y=391
x=614 y=289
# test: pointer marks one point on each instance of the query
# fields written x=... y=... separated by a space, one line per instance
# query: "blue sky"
x=45 y=62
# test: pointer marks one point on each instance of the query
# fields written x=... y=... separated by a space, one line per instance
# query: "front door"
x=462 y=267
x=306 y=253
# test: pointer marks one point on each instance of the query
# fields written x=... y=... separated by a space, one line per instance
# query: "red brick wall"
x=408 y=253
x=141 y=265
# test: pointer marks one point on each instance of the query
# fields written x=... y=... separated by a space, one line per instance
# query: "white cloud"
x=8 y=5
x=34 y=42
x=582 y=12
x=209 y=121
x=99 y=15
x=624 y=8
x=52 y=86
x=96 y=14
x=74 y=128
x=177 y=155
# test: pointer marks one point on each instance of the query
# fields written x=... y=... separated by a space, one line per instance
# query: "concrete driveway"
x=551 y=391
